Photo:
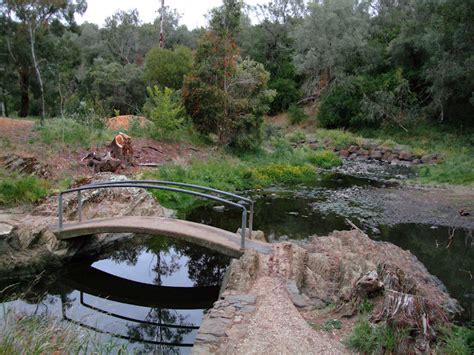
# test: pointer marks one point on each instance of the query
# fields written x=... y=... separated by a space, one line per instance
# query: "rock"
x=429 y=158
x=25 y=164
x=405 y=163
x=353 y=156
x=405 y=155
x=5 y=230
x=395 y=162
x=245 y=298
x=376 y=154
x=416 y=161
x=387 y=156
x=344 y=153
x=298 y=299
x=214 y=326
x=353 y=148
x=363 y=152
x=219 y=208
x=256 y=235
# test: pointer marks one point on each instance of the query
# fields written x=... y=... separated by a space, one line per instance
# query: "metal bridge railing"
x=167 y=186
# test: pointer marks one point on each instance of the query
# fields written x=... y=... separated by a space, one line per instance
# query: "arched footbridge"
x=226 y=242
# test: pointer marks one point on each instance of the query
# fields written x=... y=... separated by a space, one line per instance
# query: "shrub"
x=287 y=93
x=165 y=111
x=367 y=101
x=297 y=136
x=296 y=114
x=325 y=159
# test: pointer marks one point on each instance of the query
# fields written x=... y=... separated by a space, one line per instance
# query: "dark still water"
x=149 y=293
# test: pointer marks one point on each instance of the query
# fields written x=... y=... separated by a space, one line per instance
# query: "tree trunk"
x=24 y=89
x=38 y=73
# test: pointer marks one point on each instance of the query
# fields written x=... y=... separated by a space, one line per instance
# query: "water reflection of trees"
x=160 y=333
x=205 y=267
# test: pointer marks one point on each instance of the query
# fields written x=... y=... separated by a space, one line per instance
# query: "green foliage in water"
x=16 y=189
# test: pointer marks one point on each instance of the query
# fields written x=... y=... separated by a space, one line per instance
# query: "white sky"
x=192 y=11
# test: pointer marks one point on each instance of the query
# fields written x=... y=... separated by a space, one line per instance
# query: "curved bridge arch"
x=207 y=236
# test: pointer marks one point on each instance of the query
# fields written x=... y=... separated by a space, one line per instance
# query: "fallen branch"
x=354 y=226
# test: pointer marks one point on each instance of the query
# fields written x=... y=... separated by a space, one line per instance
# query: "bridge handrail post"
x=60 y=211
x=251 y=220
x=243 y=228
x=79 y=205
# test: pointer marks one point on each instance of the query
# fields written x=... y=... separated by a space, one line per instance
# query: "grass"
x=337 y=137
x=42 y=334
x=369 y=339
x=247 y=172
x=15 y=189
x=457 y=340
x=66 y=131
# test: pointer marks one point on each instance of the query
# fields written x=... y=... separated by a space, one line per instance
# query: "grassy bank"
x=282 y=167
x=17 y=189
x=455 y=146
x=42 y=334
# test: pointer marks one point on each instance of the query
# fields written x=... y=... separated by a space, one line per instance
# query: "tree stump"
x=121 y=148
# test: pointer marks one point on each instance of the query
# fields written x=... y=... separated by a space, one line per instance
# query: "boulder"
x=353 y=148
x=405 y=155
x=344 y=153
x=376 y=154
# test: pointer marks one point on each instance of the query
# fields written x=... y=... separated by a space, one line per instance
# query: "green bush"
x=165 y=111
x=325 y=159
x=367 y=101
x=287 y=93
x=16 y=189
x=296 y=114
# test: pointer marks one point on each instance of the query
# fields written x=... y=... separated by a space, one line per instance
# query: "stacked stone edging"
x=370 y=150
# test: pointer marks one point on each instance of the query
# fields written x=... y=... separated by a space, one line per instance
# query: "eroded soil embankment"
x=269 y=301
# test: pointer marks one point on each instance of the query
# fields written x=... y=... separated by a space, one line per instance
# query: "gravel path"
x=276 y=327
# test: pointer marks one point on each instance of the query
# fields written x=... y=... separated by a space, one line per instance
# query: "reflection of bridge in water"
x=111 y=288
x=214 y=238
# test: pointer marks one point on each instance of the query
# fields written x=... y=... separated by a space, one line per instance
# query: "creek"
x=150 y=293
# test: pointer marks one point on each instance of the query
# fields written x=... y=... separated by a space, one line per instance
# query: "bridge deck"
x=214 y=238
